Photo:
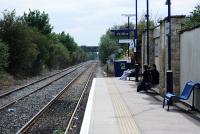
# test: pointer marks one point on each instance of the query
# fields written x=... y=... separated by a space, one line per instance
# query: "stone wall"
x=144 y=48
x=158 y=51
x=176 y=22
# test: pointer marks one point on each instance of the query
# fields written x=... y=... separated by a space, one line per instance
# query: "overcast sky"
x=87 y=20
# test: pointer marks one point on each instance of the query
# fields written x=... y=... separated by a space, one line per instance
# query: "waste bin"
x=120 y=66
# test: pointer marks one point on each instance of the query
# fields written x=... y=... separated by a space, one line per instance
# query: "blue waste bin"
x=120 y=67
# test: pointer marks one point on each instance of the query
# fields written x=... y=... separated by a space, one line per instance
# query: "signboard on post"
x=126 y=41
x=121 y=32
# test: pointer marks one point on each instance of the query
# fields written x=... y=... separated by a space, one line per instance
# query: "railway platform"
x=115 y=107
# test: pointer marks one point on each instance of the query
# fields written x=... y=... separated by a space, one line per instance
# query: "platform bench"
x=189 y=86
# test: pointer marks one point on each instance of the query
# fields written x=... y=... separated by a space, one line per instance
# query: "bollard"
x=170 y=81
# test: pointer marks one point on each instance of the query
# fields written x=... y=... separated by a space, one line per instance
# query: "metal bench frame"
x=189 y=86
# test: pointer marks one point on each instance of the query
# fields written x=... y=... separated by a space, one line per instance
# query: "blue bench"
x=189 y=86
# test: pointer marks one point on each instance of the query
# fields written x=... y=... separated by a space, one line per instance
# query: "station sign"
x=126 y=41
x=121 y=32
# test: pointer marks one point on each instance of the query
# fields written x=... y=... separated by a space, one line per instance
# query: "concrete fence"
x=190 y=60
x=185 y=50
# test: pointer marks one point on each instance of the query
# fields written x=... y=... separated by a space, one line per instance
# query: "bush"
x=31 y=46
x=59 y=57
x=193 y=19
x=24 y=45
x=78 y=56
x=43 y=46
x=4 y=54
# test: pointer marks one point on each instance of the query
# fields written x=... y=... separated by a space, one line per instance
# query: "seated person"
x=154 y=75
x=144 y=84
x=136 y=72
x=150 y=78
x=126 y=74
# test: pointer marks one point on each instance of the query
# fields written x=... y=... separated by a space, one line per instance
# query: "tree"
x=14 y=33
x=78 y=56
x=193 y=19
x=107 y=47
x=4 y=54
x=58 y=56
x=67 y=41
x=109 y=42
x=31 y=47
x=28 y=48
x=142 y=27
x=38 y=20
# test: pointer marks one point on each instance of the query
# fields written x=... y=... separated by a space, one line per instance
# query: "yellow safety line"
x=125 y=120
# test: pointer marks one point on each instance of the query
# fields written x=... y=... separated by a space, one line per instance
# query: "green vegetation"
x=38 y=20
x=193 y=19
x=28 y=45
x=76 y=99
x=3 y=56
x=109 y=47
x=59 y=131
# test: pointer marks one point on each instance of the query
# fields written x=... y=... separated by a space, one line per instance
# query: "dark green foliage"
x=193 y=19
x=43 y=45
x=28 y=48
x=78 y=56
x=4 y=54
x=32 y=47
x=76 y=53
x=107 y=47
x=59 y=57
x=67 y=41
x=38 y=20
x=17 y=35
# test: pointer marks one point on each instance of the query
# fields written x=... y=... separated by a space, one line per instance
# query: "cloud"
x=87 y=20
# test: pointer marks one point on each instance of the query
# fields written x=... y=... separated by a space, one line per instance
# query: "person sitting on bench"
x=126 y=74
x=154 y=75
x=150 y=78
x=144 y=84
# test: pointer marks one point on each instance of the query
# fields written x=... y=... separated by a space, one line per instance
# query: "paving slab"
x=117 y=108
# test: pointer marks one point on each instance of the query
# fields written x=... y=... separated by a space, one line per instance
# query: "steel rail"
x=15 y=100
x=31 y=122
x=78 y=104
x=37 y=81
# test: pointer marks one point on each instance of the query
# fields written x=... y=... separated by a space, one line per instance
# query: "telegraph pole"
x=136 y=33
x=169 y=71
x=147 y=17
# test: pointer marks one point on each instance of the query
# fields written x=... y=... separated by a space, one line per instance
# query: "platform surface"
x=114 y=107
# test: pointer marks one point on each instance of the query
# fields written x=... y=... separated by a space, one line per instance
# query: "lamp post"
x=128 y=15
x=169 y=71
x=136 y=33
x=147 y=17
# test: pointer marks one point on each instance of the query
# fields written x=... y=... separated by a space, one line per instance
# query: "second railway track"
x=57 y=116
x=12 y=96
x=16 y=115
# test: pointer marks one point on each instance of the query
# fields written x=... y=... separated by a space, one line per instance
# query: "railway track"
x=60 y=108
x=8 y=98
x=14 y=116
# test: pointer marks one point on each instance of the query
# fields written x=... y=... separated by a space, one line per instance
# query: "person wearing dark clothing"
x=146 y=74
x=154 y=75
x=137 y=71
x=144 y=85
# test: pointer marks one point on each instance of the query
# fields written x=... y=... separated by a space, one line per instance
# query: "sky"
x=87 y=20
